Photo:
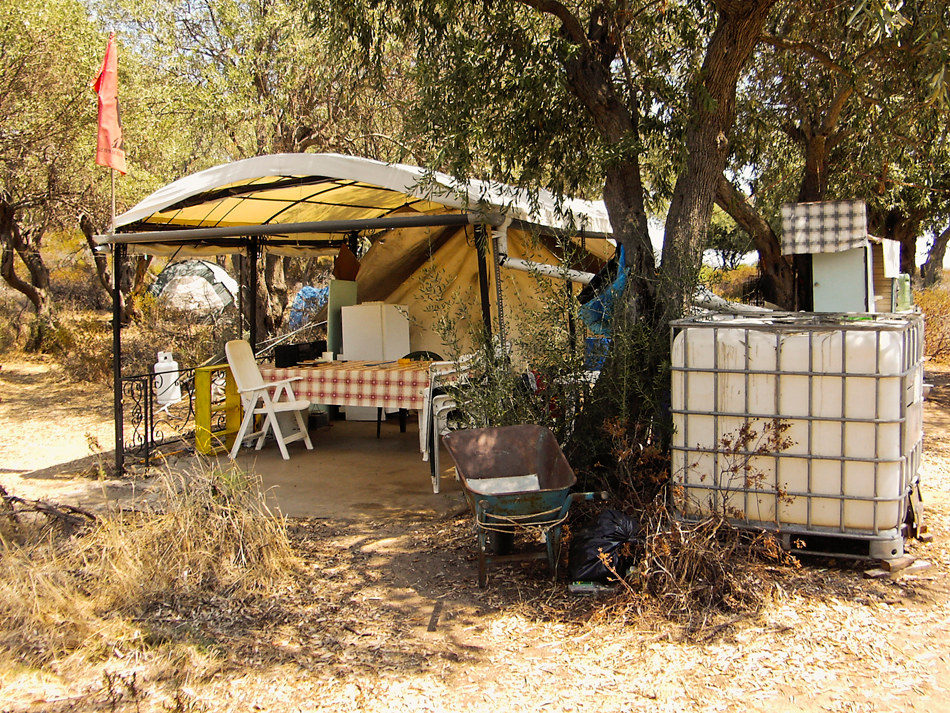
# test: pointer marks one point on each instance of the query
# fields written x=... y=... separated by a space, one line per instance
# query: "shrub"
x=13 y=316
x=77 y=287
x=733 y=284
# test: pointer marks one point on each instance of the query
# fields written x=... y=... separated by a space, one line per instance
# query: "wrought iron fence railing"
x=150 y=423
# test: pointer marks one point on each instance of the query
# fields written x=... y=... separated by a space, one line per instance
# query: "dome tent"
x=195 y=285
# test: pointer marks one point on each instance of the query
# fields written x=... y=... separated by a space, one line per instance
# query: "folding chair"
x=261 y=398
x=434 y=420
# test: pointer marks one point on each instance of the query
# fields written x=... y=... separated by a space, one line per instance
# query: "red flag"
x=109 y=144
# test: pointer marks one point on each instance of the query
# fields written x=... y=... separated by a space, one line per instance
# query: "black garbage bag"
x=608 y=534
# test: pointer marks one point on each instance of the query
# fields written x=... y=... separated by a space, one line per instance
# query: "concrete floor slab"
x=351 y=474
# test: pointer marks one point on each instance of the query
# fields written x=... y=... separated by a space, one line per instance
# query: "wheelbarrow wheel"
x=499 y=543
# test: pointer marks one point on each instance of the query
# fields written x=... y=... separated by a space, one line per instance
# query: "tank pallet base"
x=822 y=544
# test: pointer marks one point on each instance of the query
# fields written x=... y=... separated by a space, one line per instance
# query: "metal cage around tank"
x=809 y=425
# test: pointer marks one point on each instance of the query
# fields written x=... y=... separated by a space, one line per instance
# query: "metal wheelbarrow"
x=514 y=478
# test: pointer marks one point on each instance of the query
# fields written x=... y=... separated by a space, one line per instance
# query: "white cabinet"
x=373 y=331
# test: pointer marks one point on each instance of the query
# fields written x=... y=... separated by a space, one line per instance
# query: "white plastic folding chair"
x=433 y=421
x=442 y=407
x=261 y=398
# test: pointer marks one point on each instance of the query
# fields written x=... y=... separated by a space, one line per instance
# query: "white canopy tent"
x=300 y=200
x=302 y=204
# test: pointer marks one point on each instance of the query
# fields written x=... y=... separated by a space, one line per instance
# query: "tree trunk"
x=818 y=144
x=778 y=278
x=271 y=295
x=931 y=272
x=815 y=177
x=590 y=80
x=897 y=225
x=713 y=115
x=133 y=283
x=16 y=242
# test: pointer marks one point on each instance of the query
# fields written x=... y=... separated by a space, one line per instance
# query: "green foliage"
x=843 y=101
x=730 y=242
x=252 y=78
x=494 y=96
x=537 y=377
x=732 y=284
x=626 y=418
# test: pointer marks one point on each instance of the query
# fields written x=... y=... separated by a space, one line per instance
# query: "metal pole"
x=481 y=250
x=118 y=258
x=502 y=235
x=571 y=324
x=112 y=221
x=238 y=232
x=252 y=254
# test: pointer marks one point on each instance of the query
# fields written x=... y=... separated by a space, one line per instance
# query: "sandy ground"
x=390 y=619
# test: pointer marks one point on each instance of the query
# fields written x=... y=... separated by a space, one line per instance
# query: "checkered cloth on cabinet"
x=824 y=227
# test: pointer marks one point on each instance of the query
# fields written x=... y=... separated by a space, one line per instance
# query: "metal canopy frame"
x=227 y=209
x=250 y=239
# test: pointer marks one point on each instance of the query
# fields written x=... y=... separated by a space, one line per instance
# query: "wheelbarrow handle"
x=581 y=497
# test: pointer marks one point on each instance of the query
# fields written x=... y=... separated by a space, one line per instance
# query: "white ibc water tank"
x=167 y=390
x=850 y=390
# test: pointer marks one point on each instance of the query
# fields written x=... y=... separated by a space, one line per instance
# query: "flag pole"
x=112 y=221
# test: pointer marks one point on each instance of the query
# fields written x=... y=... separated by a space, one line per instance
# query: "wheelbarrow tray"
x=513 y=477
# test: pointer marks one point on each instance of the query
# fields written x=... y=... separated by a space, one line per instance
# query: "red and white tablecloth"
x=357 y=383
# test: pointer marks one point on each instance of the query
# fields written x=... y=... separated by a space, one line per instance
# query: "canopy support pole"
x=118 y=258
x=253 y=251
x=236 y=232
x=497 y=242
x=481 y=250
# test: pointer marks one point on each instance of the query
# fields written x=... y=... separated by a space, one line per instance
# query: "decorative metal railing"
x=148 y=425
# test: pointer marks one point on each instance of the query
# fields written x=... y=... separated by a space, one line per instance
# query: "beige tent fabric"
x=439 y=286
x=431 y=269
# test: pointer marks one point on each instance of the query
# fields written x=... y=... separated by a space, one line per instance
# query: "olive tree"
x=256 y=80
x=842 y=101
x=631 y=101
x=47 y=140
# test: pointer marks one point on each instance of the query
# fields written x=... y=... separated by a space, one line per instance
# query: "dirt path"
x=389 y=619
x=56 y=431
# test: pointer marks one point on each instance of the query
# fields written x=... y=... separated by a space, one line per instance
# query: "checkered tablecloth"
x=357 y=383
x=823 y=227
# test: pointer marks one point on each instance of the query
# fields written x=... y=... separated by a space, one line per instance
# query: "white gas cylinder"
x=167 y=390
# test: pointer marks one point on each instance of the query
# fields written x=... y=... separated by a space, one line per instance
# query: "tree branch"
x=823 y=58
x=10 y=240
x=834 y=111
x=569 y=22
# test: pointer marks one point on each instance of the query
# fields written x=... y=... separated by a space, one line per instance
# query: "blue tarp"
x=597 y=312
x=306 y=304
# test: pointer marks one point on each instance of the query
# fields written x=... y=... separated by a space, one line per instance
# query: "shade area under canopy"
x=422 y=226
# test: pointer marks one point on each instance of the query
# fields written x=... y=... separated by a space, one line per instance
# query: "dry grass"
x=83 y=596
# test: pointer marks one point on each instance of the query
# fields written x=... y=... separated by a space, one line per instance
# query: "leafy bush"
x=732 y=284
